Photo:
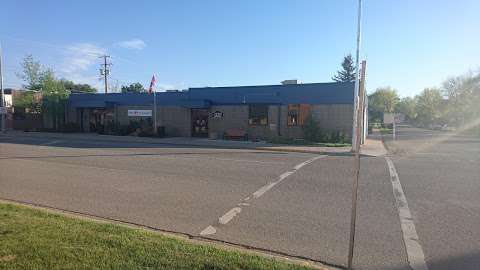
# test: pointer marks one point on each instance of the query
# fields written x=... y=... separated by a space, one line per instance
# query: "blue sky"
x=408 y=44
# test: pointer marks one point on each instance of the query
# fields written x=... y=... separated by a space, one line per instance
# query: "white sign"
x=3 y=110
x=216 y=115
x=141 y=113
x=388 y=118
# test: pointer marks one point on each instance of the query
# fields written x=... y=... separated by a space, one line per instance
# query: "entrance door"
x=200 y=122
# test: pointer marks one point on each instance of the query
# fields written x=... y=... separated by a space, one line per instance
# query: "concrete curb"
x=189 y=238
x=111 y=138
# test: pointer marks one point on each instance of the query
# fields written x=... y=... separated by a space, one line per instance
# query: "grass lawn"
x=386 y=131
x=37 y=239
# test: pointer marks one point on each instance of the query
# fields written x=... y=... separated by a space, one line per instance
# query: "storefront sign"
x=137 y=113
x=216 y=115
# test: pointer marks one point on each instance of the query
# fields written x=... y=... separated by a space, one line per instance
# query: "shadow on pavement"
x=470 y=261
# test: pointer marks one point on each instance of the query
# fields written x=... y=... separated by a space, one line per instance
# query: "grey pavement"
x=440 y=175
x=185 y=189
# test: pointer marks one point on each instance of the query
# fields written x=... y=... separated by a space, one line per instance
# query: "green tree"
x=347 y=73
x=32 y=73
x=133 y=88
x=406 y=106
x=54 y=99
x=74 y=87
x=463 y=93
x=383 y=100
x=27 y=101
x=429 y=107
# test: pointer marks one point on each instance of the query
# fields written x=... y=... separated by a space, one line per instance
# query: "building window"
x=293 y=113
x=297 y=113
x=258 y=115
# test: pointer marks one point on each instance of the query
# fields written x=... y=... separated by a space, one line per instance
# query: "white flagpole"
x=3 y=105
x=154 y=110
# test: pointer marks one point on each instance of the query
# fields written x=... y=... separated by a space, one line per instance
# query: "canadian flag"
x=152 y=85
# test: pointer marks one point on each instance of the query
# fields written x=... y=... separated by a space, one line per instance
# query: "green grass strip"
x=38 y=239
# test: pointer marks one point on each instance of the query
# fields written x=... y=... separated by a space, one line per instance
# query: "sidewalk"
x=371 y=147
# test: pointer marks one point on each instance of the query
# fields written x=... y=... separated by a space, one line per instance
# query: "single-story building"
x=261 y=111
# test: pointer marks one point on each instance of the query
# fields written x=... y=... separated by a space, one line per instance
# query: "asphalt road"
x=289 y=203
x=440 y=175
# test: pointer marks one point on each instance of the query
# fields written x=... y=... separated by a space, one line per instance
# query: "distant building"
x=260 y=111
x=8 y=97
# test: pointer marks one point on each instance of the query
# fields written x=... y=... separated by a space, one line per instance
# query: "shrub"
x=311 y=130
x=123 y=130
x=313 y=133
x=69 y=127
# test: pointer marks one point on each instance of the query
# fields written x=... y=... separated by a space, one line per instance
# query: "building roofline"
x=272 y=85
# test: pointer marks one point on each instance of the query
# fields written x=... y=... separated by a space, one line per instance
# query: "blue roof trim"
x=313 y=93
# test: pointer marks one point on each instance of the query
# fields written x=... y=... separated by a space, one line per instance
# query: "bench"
x=235 y=134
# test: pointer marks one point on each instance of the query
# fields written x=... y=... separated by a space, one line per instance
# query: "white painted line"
x=284 y=175
x=227 y=217
x=416 y=257
x=209 y=230
x=264 y=189
x=51 y=143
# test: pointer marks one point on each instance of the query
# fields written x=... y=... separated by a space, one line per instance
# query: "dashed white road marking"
x=208 y=230
x=416 y=257
x=227 y=217
x=51 y=142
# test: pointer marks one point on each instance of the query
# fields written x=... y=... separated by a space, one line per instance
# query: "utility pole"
x=105 y=70
x=3 y=111
x=356 y=171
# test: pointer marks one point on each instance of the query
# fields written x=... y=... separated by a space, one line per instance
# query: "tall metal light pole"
x=357 y=75
x=2 y=92
x=355 y=140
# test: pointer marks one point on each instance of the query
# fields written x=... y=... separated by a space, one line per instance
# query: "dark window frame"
x=293 y=115
x=258 y=113
x=301 y=113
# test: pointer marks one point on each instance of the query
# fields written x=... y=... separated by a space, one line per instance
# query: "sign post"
x=391 y=118
x=394 y=124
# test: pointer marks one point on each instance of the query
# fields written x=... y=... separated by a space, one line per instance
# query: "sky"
x=408 y=44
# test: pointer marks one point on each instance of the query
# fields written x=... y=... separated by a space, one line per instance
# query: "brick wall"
x=176 y=120
x=336 y=117
x=234 y=117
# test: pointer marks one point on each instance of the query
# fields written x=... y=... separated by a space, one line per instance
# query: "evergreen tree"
x=347 y=73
